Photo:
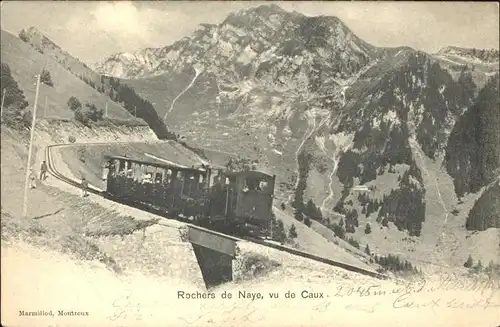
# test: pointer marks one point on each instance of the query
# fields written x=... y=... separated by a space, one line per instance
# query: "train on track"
x=233 y=202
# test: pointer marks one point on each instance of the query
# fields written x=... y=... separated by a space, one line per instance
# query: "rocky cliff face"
x=324 y=110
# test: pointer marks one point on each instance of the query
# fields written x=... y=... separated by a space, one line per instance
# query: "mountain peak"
x=37 y=38
x=33 y=31
x=269 y=9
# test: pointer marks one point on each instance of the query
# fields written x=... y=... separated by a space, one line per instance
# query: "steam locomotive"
x=234 y=202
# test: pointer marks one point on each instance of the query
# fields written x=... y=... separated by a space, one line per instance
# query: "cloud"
x=109 y=27
x=123 y=19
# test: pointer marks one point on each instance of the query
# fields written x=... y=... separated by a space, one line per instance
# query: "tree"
x=15 y=104
x=469 y=262
x=283 y=206
x=95 y=114
x=367 y=250
x=82 y=116
x=45 y=78
x=74 y=104
x=468 y=87
x=338 y=231
x=23 y=36
x=298 y=215
x=353 y=242
x=313 y=211
x=292 y=233
x=279 y=233
x=307 y=221
x=478 y=266
x=368 y=229
x=14 y=96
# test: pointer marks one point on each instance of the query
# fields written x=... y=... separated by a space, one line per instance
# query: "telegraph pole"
x=271 y=221
x=45 y=108
x=3 y=99
x=25 y=203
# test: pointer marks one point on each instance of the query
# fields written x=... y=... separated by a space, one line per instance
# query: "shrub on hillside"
x=368 y=229
x=23 y=36
x=307 y=221
x=367 y=250
x=353 y=242
x=279 y=233
x=45 y=78
x=71 y=139
x=351 y=220
x=338 y=230
x=74 y=104
x=297 y=214
x=81 y=115
x=469 y=263
x=313 y=211
x=292 y=233
x=88 y=113
x=478 y=267
x=94 y=113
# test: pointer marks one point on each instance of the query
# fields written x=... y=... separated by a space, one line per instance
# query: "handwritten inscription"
x=243 y=305
x=125 y=307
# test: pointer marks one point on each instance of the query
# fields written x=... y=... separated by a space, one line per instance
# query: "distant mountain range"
x=475 y=55
x=327 y=112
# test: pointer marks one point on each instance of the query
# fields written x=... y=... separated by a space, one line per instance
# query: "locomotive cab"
x=253 y=195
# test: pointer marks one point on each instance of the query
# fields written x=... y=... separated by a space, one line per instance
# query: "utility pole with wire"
x=45 y=108
x=25 y=203
x=3 y=100
x=271 y=234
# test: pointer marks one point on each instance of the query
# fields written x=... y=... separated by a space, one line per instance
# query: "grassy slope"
x=39 y=41
x=313 y=242
x=25 y=62
x=56 y=219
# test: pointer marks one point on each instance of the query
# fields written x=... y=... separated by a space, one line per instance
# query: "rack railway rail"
x=94 y=190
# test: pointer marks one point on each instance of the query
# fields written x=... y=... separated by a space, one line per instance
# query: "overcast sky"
x=92 y=30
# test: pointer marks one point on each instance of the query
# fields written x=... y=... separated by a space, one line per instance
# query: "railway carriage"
x=212 y=197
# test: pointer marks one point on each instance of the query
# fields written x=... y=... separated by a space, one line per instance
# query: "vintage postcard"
x=226 y=163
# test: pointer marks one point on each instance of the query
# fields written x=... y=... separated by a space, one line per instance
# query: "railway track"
x=94 y=190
